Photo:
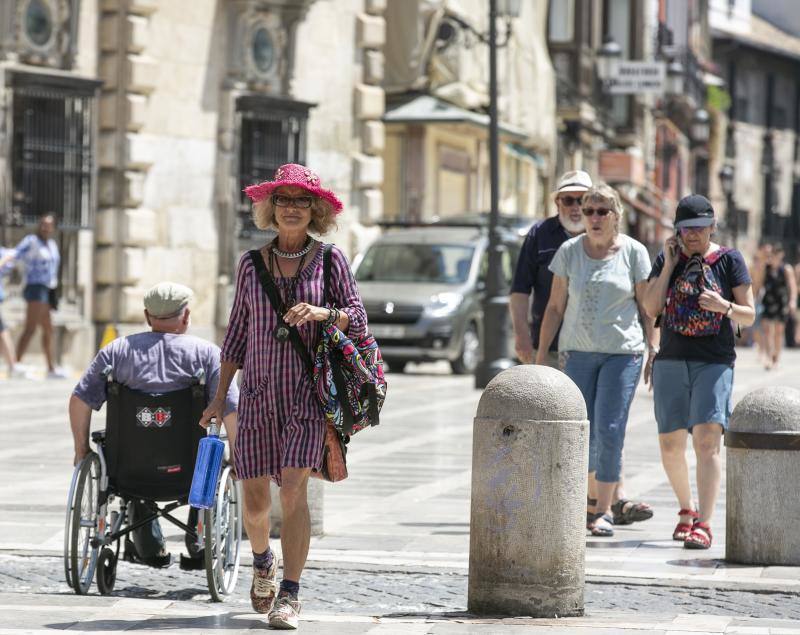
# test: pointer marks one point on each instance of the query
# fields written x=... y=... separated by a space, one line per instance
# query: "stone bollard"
x=316 y=489
x=763 y=470
x=530 y=457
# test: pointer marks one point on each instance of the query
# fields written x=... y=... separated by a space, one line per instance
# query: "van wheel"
x=470 y=354
x=396 y=366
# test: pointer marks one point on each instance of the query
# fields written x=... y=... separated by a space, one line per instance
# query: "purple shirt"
x=274 y=379
x=154 y=363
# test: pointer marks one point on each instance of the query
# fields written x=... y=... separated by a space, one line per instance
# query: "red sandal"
x=700 y=536
x=682 y=530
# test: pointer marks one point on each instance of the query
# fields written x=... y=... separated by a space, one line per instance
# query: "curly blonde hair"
x=323 y=216
x=604 y=193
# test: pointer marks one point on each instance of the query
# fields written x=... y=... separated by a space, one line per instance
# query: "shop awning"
x=426 y=109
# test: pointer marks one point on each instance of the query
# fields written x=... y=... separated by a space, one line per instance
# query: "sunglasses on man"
x=569 y=201
x=300 y=202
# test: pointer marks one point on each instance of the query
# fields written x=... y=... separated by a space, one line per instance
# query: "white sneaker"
x=57 y=373
x=21 y=372
x=285 y=613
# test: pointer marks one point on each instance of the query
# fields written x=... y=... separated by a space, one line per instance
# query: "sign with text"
x=631 y=78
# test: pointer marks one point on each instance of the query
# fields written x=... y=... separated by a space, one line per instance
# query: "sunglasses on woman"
x=591 y=211
x=301 y=202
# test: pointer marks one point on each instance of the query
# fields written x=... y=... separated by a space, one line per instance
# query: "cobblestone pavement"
x=396 y=539
x=392 y=593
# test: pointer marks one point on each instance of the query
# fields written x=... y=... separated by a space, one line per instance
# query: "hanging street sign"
x=631 y=78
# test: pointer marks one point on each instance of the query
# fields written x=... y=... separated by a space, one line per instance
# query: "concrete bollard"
x=316 y=489
x=530 y=457
x=763 y=470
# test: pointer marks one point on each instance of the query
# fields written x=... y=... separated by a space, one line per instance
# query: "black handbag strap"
x=268 y=284
x=326 y=274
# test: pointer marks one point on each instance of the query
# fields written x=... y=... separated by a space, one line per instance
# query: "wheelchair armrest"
x=99 y=436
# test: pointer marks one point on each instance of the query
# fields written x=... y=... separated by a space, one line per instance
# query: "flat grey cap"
x=167 y=299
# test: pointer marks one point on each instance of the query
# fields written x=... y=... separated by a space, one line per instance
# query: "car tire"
x=470 y=352
x=396 y=366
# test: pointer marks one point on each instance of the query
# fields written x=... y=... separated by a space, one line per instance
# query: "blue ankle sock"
x=290 y=587
x=263 y=560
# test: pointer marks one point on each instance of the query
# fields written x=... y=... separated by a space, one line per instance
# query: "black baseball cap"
x=694 y=211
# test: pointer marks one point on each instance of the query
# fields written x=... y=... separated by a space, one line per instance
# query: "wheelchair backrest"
x=151 y=440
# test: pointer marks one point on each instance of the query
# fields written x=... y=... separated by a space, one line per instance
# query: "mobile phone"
x=676 y=249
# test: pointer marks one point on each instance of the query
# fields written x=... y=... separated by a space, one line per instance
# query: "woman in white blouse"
x=598 y=282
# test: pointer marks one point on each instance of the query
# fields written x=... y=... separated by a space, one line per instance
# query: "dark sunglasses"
x=301 y=202
x=591 y=211
x=569 y=201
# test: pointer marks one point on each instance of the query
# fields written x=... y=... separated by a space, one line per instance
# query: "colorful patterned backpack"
x=683 y=313
x=348 y=376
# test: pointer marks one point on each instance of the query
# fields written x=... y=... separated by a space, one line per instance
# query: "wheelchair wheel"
x=223 y=537
x=106 y=571
x=80 y=557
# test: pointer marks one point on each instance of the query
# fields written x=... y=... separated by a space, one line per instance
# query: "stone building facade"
x=759 y=133
x=159 y=113
x=437 y=151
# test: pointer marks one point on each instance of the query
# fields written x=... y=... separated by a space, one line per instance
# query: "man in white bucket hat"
x=532 y=274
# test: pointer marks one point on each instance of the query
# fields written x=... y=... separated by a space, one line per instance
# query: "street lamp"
x=607 y=57
x=701 y=126
x=727 y=174
x=495 y=304
x=674 y=85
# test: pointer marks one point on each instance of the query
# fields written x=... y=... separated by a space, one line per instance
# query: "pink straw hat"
x=293 y=174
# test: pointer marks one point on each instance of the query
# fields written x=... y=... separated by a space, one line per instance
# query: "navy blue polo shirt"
x=533 y=273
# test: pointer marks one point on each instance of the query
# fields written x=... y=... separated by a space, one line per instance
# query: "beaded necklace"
x=287 y=296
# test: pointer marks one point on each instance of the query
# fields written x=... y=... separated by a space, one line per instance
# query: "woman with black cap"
x=696 y=290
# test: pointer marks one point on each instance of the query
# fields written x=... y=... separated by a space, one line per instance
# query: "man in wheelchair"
x=162 y=360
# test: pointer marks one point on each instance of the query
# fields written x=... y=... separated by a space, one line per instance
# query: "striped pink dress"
x=280 y=419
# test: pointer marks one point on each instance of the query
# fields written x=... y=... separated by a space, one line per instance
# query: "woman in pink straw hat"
x=281 y=425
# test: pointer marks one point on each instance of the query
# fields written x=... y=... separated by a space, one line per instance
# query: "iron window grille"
x=52 y=156
x=271 y=132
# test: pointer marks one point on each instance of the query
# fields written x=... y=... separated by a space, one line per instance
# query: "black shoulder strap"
x=268 y=284
x=326 y=274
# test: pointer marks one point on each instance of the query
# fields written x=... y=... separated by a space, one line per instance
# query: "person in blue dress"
x=40 y=256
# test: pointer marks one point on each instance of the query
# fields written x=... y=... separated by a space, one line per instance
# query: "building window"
x=38 y=21
x=271 y=132
x=561 y=21
x=51 y=159
x=263 y=50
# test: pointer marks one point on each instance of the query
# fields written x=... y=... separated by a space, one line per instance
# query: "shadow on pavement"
x=227 y=621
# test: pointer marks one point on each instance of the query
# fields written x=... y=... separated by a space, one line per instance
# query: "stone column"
x=763 y=470
x=530 y=458
x=123 y=227
x=370 y=104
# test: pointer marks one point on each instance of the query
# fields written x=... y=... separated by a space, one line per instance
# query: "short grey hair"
x=604 y=192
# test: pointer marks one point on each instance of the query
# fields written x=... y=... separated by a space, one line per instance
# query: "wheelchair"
x=147 y=453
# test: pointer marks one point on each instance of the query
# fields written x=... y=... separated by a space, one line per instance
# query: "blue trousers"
x=607 y=383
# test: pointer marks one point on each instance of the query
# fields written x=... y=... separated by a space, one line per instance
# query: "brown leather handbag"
x=334 y=457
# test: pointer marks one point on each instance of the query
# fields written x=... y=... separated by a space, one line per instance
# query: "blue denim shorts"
x=687 y=393
x=36 y=293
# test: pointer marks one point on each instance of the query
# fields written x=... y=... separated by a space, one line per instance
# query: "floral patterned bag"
x=348 y=375
x=683 y=313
